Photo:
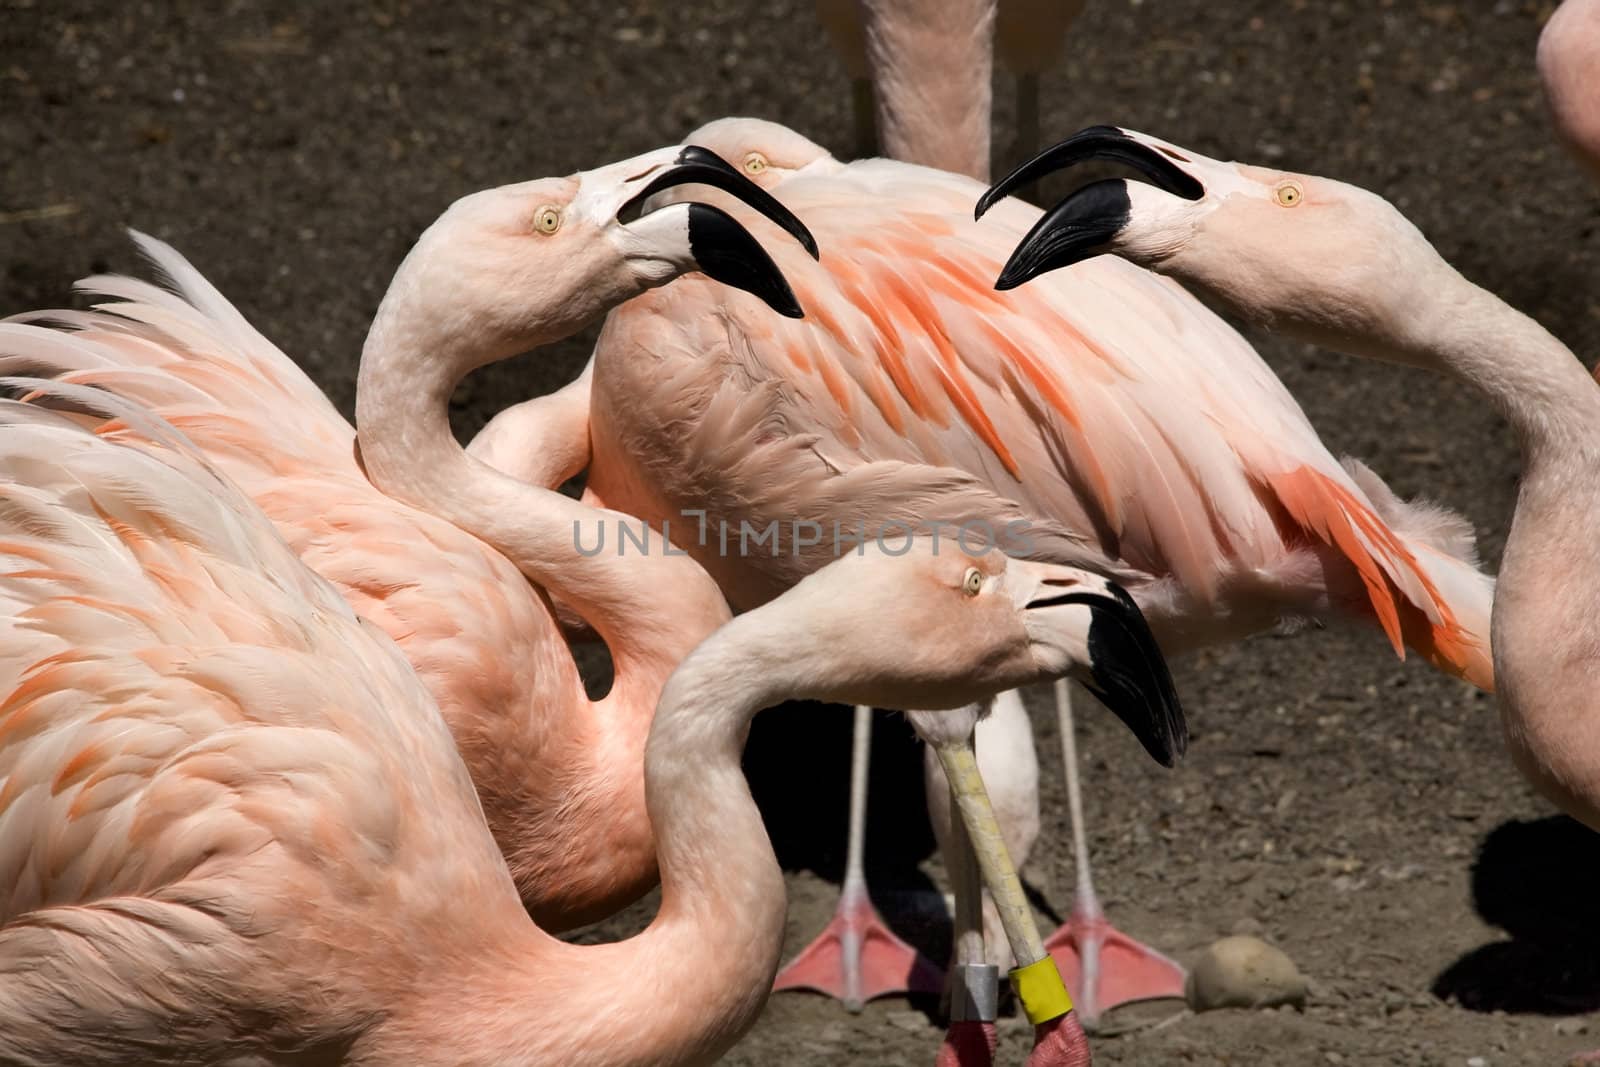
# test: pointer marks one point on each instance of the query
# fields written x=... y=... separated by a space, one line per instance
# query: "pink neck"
x=650 y=608
x=932 y=61
x=687 y=987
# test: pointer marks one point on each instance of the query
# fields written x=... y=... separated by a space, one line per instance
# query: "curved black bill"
x=1128 y=673
x=1076 y=229
x=727 y=253
x=1096 y=143
x=701 y=166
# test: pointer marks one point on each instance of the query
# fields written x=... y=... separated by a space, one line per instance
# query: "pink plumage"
x=481 y=638
x=1127 y=427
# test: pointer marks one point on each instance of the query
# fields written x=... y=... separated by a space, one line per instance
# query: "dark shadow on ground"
x=1537 y=881
x=798 y=764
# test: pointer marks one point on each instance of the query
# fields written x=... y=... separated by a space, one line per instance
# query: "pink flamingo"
x=1339 y=266
x=234 y=825
x=438 y=563
x=1569 y=64
x=1140 y=437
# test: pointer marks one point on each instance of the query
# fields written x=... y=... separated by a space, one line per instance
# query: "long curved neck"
x=1545 y=667
x=693 y=981
x=651 y=607
x=932 y=62
x=1536 y=382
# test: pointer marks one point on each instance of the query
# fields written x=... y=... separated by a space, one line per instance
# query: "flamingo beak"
x=700 y=166
x=1119 y=662
x=1083 y=224
x=692 y=236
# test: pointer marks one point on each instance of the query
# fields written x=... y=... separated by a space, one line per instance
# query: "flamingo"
x=435 y=567
x=1339 y=266
x=1124 y=425
x=1569 y=64
x=234 y=826
x=1259 y=239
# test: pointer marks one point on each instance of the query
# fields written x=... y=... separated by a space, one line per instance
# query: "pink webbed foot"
x=1060 y=1042
x=1585 y=1059
x=968 y=1043
x=1104 y=968
x=857 y=958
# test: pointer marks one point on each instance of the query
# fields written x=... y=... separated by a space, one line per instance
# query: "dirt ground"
x=1356 y=811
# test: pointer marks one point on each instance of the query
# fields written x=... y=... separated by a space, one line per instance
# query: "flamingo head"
x=767 y=153
x=934 y=626
x=1320 y=259
x=528 y=264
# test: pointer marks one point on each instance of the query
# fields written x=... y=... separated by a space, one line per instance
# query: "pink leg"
x=857 y=957
x=968 y=1043
x=1585 y=1059
x=1102 y=966
x=1060 y=1043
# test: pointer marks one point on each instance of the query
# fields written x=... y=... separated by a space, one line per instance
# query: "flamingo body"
x=220 y=791
x=1123 y=426
x=479 y=635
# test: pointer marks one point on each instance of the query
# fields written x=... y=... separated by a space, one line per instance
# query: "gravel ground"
x=1356 y=811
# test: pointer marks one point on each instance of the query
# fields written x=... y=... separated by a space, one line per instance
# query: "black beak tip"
x=985 y=202
x=1009 y=279
x=1131 y=678
x=790 y=308
x=1103 y=143
x=703 y=165
x=725 y=252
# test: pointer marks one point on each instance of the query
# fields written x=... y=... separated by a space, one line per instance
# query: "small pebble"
x=1571 y=1027
x=1244 y=972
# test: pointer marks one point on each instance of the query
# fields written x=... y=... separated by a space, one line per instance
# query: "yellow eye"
x=547 y=219
x=1289 y=194
x=972 y=584
x=755 y=163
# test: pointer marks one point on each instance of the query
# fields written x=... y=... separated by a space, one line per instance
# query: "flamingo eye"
x=1289 y=194
x=972 y=583
x=755 y=163
x=547 y=220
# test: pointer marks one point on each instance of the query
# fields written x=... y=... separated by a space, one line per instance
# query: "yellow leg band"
x=1039 y=987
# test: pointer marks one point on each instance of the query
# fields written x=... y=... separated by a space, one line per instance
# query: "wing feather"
x=1101 y=400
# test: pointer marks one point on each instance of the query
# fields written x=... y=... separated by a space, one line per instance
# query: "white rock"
x=1244 y=972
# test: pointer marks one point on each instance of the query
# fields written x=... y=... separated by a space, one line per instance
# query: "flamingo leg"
x=1102 y=966
x=1059 y=1039
x=974 y=981
x=857 y=957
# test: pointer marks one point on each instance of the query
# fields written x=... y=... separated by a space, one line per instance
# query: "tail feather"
x=1416 y=563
